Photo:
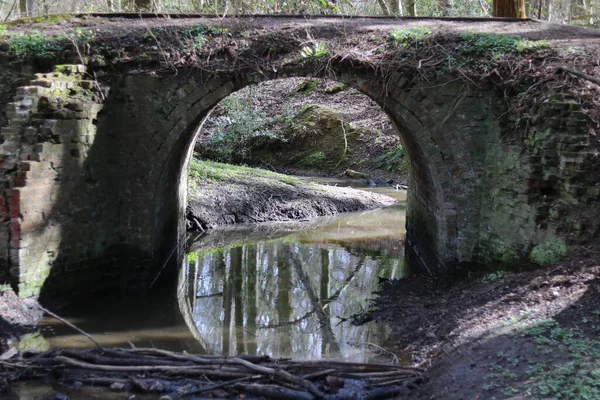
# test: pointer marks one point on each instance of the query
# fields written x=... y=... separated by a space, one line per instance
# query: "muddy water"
x=286 y=290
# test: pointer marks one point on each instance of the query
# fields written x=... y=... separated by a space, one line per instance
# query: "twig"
x=71 y=325
x=345 y=144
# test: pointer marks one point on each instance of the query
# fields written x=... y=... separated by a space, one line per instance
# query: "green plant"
x=393 y=160
x=314 y=158
x=192 y=257
x=5 y=287
x=314 y=50
x=497 y=45
x=239 y=130
x=410 y=36
x=35 y=44
x=307 y=86
x=494 y=277
x=550 y=251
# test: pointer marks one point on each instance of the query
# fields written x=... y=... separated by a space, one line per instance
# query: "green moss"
x=337 y=88
x=306 y=87
x=313 y=159
x=214 y=172
x=33 y=342
x=495 y=250
x=551 y=251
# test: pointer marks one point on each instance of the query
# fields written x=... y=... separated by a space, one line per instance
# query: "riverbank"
x=506 y=335
x=223 y=194
x=17 y=317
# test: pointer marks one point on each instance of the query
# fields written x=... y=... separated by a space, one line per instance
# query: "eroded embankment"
x=531 y=334
x=221 y=194
x=17 y=317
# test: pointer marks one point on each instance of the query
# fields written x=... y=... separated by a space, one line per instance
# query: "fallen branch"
x=71 y=326
x=578 y=74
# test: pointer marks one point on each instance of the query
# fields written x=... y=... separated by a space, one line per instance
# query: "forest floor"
x=506 y=335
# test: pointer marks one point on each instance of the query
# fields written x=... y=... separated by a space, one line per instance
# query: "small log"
x=319 y=374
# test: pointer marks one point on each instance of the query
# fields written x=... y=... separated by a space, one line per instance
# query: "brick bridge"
x=95 y=182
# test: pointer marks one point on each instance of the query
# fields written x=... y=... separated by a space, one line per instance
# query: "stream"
x=282 y=289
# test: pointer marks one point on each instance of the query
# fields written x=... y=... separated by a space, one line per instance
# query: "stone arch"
x=96 y=173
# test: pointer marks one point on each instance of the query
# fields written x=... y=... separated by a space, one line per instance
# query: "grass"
x=214 y=172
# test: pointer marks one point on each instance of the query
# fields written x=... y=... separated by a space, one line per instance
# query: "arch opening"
x=427 y=196
x=138 y=140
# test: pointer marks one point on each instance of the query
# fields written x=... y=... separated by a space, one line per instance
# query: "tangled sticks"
x=182 y=375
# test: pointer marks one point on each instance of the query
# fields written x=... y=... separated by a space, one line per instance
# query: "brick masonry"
x=95 y=182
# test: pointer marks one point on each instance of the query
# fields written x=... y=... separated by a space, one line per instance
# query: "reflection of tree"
x=236 y=280
x=251 y=309
x=284 y=308
x=285 y=301
x=324 y=320
x=324 y=290
x=227 y=300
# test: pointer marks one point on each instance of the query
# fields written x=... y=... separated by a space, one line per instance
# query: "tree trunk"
x=509 y=8
x=384 y=7
x=23 y=7
x=396 y=7
x=142 y=5
x=411 y=8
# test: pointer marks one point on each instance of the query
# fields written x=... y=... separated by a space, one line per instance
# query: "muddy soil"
x=503 y=335
x=226 y=195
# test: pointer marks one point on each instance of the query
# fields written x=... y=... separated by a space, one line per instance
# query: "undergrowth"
x=392 y=161
x=575 y=372
x=410 y=36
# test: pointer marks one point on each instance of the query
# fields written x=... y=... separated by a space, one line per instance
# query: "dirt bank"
x=504 y=335
x=17 y=317
x=222 y=194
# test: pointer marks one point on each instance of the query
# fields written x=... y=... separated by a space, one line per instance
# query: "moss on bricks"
x=549 y=252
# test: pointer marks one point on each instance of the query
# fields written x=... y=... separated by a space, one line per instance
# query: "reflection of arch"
x=186 y=290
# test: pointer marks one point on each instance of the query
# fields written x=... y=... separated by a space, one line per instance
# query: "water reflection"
x=284 y=290
x=293 y=296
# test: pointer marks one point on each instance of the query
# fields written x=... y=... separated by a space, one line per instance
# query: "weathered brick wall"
x=58 y=202
x=99 y=176
x=11 y=77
